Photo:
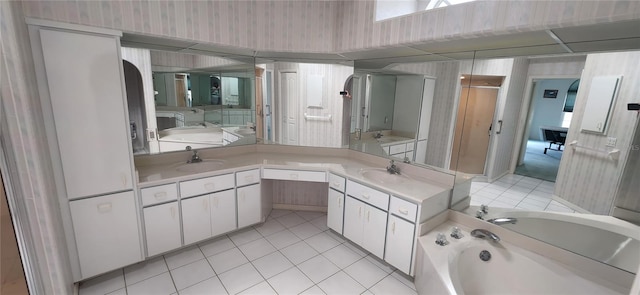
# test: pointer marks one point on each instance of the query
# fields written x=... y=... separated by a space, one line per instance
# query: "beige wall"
x=587 y=179
x=26 y=151
x=325 y=26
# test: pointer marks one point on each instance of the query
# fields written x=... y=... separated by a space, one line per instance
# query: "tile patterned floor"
x=291 y=253
x=517 y=191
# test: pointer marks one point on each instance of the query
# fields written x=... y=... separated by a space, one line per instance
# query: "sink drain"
x=485 y=255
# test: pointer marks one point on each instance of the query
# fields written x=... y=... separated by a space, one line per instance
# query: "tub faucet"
x=194 y=158
x=377 y=135
x=503 y=220
x=484 y=234
x=392 y=168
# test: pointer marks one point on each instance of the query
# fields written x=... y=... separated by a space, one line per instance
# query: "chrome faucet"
x=503 y=220
x=483 y=234
x=377 y=135
x=392 y=168
x=194 y=158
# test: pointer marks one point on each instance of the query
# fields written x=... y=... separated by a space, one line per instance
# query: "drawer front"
x=337 y=182
x=410 y=146
x=298 y=175
x=206 y=185
x=247 y=177
x=403 y=209
x=398 y=148
x=159 y=194
x=368 y=195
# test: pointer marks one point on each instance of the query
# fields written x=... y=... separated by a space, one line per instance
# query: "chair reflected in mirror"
x=555 y=135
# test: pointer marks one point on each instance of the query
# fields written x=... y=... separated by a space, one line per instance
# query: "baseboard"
x=569 y=204
x=625 y=214
x=299 y=207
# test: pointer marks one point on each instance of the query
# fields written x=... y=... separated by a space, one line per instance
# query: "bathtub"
x=197 y=137
x=603 y=238
x=457 y=269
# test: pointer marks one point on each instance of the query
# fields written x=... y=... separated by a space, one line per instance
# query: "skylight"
x=386 y=9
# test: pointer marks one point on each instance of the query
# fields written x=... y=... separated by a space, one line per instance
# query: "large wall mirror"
x=498 y=120
x=181 y=101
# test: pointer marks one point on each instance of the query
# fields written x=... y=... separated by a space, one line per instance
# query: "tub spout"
x=503 y=220
x=485 y=234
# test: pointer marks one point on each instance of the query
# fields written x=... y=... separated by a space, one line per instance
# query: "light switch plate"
x=611 y=141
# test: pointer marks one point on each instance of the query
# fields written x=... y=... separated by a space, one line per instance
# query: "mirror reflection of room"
x=195 y=101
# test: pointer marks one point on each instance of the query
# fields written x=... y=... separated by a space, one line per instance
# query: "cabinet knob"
x=160 y=195
x=104 y=207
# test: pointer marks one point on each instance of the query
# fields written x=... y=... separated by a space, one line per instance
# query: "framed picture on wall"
x=550 y=93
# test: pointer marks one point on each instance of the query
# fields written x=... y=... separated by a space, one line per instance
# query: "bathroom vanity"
x=380 y=212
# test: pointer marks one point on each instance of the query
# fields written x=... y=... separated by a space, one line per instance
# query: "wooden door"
x=399 y=246
x=181 y=91
x=472 y=134
x=223 y=212
x=196 y=219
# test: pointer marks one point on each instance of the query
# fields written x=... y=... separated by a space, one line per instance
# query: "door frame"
x=523 y=121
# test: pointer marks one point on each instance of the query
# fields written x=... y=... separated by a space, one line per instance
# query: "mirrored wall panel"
x=191 y=101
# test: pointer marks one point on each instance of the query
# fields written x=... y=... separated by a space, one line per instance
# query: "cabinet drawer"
x=159 y=194
x=403 y=209
x=368 y=195
x=298 y=175
x=410 y=146
x=398 y=148
x=247 y=177
x=206 y=185
x=336 y=182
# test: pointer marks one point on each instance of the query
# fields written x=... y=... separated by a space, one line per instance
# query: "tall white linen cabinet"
x=82 y=90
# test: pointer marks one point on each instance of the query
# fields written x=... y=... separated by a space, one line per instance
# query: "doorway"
x=474 y=123
x=289 y=103
x=136 y=105
x=11 y=271
x=548 y=120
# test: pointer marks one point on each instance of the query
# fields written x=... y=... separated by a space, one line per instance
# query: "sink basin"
x=381 y=176
x=204 y=166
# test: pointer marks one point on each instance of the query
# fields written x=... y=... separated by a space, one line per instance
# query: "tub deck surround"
x=433 y=273
x=424 y=183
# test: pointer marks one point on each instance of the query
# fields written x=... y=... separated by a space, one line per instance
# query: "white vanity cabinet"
x=249 y=205
x=223 y=212
x=335 y=202
x=162 y=228
x=197 y=211
x=161 y=218
x=401 y=234
x=365 y=225
x=106 y=232
x=365 y=217
x=196 y=219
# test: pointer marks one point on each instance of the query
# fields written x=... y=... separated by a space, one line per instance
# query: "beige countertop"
x=423 y=183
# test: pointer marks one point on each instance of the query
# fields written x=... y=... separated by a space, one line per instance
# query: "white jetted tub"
x=504 y=268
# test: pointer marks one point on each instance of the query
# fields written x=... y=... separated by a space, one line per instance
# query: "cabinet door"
x=249 y=205
x=84 y=79
x=399 y=248
x=106 y=232
x=223 y=212
x=375 y=229
x=335 y=210
x=352 y=228
x=196 y=219
x=162 y=228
